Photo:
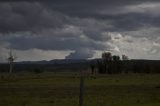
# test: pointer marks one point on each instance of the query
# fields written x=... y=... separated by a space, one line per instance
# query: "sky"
x=79 y=29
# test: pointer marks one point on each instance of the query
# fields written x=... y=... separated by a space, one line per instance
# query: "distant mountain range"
x=68 y=61
x=56 y=61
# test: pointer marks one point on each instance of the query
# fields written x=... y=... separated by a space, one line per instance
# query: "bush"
x=38 y=70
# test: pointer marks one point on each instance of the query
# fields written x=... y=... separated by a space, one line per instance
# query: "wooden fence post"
x=81 y=93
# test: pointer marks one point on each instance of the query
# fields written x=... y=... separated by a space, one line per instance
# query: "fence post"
x=81 y=93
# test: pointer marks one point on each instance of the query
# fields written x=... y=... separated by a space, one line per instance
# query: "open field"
x=62 y=89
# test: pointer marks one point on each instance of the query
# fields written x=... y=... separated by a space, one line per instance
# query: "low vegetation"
x=62 y=89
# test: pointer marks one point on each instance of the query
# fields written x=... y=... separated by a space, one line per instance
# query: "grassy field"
x=62 y=89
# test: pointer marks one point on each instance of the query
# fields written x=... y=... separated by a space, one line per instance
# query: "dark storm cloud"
x=25 y=16
x=54 y=43
x=91 y=8
x=133 y=21
x=37 y=15
x=117 y=11
x=77 y=25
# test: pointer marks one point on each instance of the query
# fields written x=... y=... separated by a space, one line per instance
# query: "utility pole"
x=81 y=90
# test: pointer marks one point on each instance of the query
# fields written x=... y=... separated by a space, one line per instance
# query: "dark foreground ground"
x=62 y=89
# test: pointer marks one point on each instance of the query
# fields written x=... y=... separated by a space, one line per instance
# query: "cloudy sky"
x=79 y=29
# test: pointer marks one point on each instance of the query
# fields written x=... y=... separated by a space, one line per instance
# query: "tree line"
x=113 y=64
